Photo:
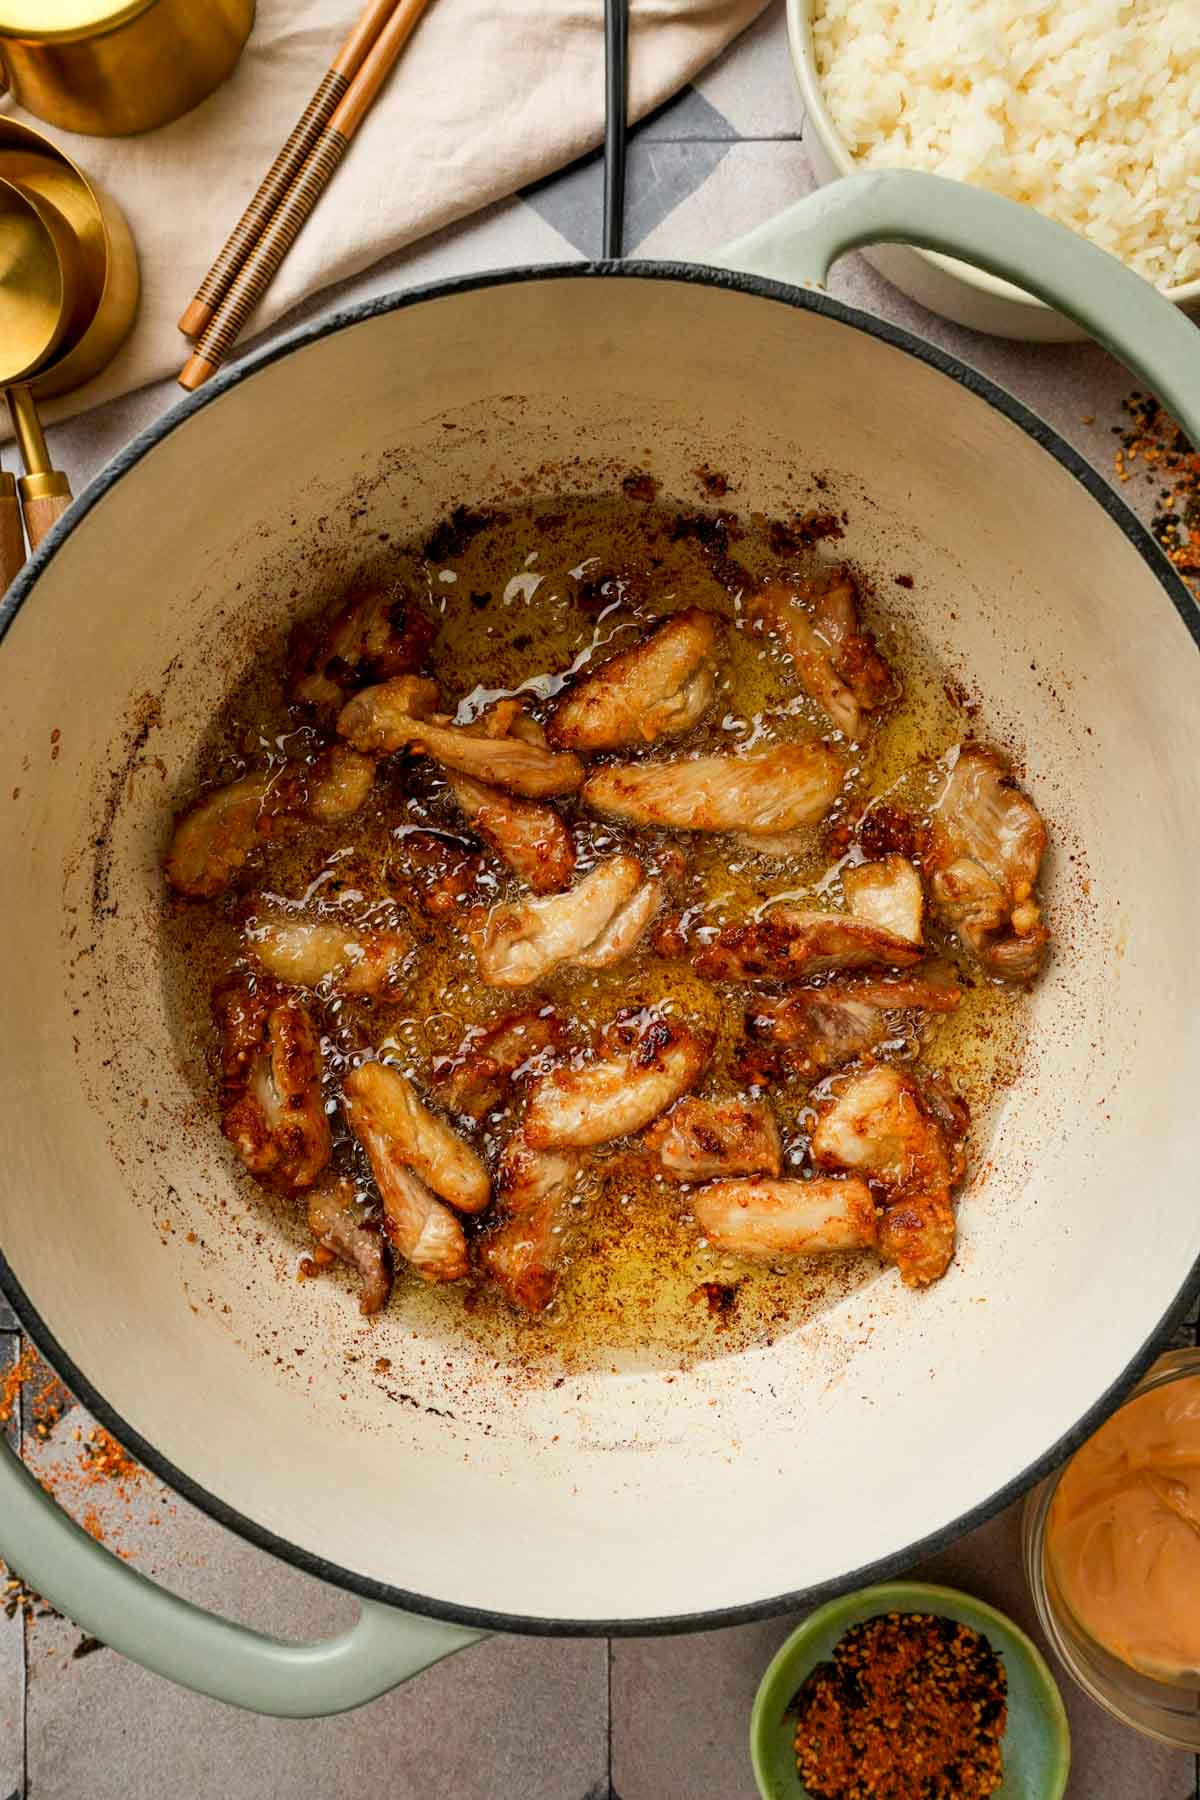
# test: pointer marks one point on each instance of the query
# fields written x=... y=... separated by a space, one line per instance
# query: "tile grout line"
x=16 y=1431
x=608 y=1691
x=20 y=1447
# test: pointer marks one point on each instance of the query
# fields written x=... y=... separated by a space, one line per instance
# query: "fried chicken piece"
x=880 y=1126
x=817 y=1029
x=779 y=846
x=381 y=720
x=985 y=850
x=889 y=894
x=424 y=1231
x=624 y=931
x=657 y=688
x=307 y=953
x=789 y=944
x=214 y=837
x=270 y=1090
x=336 y=1222
x=787 y=1218
x=480 y=1077
x=379 y=1101
x=654 y=1061
x=333 y=786
x=701 y=1138
x=528 y=835
x=520 y=942
x=765 y=792
x=838 y=664
x=446 y=871
x=539 y=1196
x=372 y=634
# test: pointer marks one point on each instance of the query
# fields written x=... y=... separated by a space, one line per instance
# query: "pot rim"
x=1050 y=441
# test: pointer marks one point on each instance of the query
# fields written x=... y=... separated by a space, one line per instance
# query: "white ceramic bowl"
x=955 y=290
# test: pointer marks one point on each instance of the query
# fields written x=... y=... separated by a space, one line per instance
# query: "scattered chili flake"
x=16 y=1596
x=912 y=1707
x=719 y=1296
x=1154 y=441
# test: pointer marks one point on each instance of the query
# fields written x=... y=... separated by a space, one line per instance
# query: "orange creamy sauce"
x=556 y=585
x=1123 y=1535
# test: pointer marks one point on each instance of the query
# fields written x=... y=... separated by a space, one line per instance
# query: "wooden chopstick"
x=286 y=167
x=283 y=228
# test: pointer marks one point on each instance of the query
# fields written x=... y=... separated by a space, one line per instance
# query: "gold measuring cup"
x=31 y=323
x=108 y=258
x=111 y=67
x=78 y=278
x=40 y=289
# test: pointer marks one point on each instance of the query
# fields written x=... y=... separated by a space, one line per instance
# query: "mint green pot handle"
x=899 y=206
x=196 y=1648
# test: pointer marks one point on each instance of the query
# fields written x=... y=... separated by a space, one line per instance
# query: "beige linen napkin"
x=486 y=98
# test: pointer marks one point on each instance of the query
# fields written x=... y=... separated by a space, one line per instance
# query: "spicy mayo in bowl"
x=1112 y=1552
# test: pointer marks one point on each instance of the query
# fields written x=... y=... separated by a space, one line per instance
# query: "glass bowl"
x=1168 y=1711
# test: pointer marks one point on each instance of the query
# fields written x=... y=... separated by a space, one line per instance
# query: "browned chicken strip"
x=887 y=893
x=520 y=942
x=880 y=1127
x=788 y=944
x=655 y=1060
x=307 y=953
x=380 y=720
x=540 y=1195
x=214 y=837
x=625 y=929
x=382 y=1100
x=273 y=1112
x=655 y=689
x=766 y=791
x=337 y=1223
x=787 y=1218
x=701 y=1138
x=838 y=664
x=528 y=835
x=424 y=1231
x=481 y=1076
x=822 y=1028
x=373 y=634
x=333 y=786
x=985 y=850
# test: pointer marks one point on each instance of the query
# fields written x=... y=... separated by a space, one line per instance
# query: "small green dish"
x=1036 y=1743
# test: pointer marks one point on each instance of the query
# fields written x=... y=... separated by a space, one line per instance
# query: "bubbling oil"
x=524 y=599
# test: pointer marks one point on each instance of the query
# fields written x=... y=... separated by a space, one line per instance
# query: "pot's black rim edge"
x=794 y=1600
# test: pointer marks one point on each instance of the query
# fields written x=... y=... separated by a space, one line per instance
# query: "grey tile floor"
x=661 y=1719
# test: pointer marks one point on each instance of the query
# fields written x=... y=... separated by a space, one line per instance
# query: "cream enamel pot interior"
x=618 y=1501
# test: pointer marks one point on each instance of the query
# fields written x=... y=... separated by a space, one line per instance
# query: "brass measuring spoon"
x=38 y=288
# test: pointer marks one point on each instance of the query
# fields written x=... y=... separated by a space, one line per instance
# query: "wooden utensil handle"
x=12 y=534
x=41 y=512
x=258 y=271
x=274 y=186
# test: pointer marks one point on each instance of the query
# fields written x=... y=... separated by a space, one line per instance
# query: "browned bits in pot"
x=912 y=1707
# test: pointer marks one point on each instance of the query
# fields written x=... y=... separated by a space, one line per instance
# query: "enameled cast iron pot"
x=618 y=1501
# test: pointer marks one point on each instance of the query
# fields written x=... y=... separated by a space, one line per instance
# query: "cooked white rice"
x=1087 y=109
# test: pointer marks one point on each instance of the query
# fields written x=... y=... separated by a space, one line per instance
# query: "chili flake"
x=1154 y=440
x=912 y=1707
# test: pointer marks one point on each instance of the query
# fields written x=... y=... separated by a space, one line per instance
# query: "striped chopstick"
x=284 y=226
x=286 y=167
